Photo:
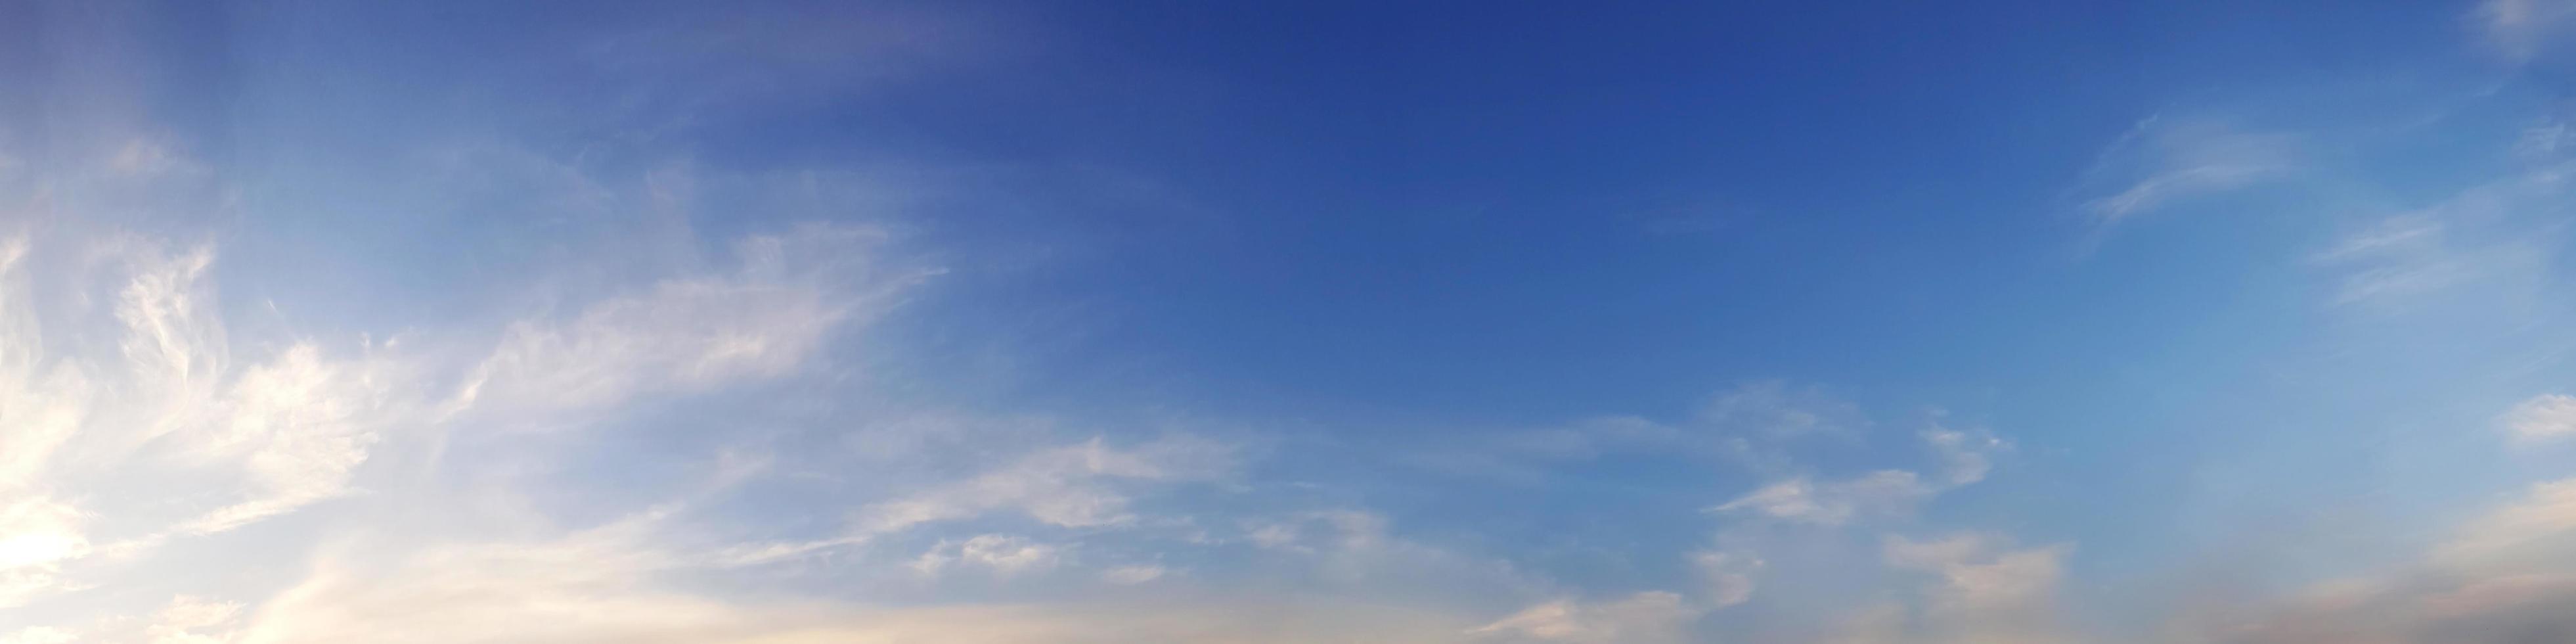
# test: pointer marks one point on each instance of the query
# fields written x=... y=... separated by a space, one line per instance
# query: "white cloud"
x=1772 y=409
x=1085 y=485
x=1074 y=486
x=180 y=417
x=42 y=403
x=689 y=334
x=1729 y=576
x=1358 y=555
x=2161 y=161
x=1882 y=622
x=299 y=426
x=1004 y=555
x=2397 y=257
x=292 y=428
x=612 y=584
x=182 y=620
x=40 y=635
x=589 y=586
x=1275 y=536
x=1988 y=590
x=681 y=336
x=171 y=432
x=2545 y=140
x=2503 y=577
x=1753 y=424
x=1834 y=503
x=1643 y=618
x=192 y=620
x=1339 y=529
x=2398 y=235
x=2542 y=418
x=36 y=537
x=1964 y=458
x=1132 y=575
x=144 y=157
x=2520 y=28
x=2542 y=522
x=2153 y=192
x=1980 y=570
x=2483 y=235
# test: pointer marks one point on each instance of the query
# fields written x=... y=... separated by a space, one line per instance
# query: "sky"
x=1005 y=322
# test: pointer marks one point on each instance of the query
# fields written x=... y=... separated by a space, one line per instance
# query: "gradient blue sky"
x=1018 y=322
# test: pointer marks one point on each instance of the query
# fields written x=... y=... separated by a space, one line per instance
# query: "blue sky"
x=1012 y=322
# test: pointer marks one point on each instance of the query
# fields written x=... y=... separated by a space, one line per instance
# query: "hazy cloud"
x=2521 y=28
x=1964 y=458
x=1002 y=554
x=1080 y=485
x=1834 y=503
x=2542 y=418
x=1987 y=590
x=2504 y=577
x=692 y=333
x=2164 y=160
x=1643 y=618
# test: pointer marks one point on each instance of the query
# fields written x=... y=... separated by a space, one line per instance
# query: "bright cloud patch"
x=36 y=537
x=162 y=426
x=1001 y=554
x=1964 y=458
x=2542 y=418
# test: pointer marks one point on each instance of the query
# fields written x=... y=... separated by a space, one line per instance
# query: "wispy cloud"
x=36 y=537
x=1643 y=618
x=2490 y=234
x=1754 y=424
x=1132 y=575
x=2502 y=577
x=1964 y=458
x=172 y=413
x=736 y=428
x=1987 y=590
x=2521 y=28
x=1000 y=553
x=140 y=416
x=1730 y=576
x=1834 y=503
x=2545 y=417
x=2164 y=160
x=689 y=334
x=1073 y=486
